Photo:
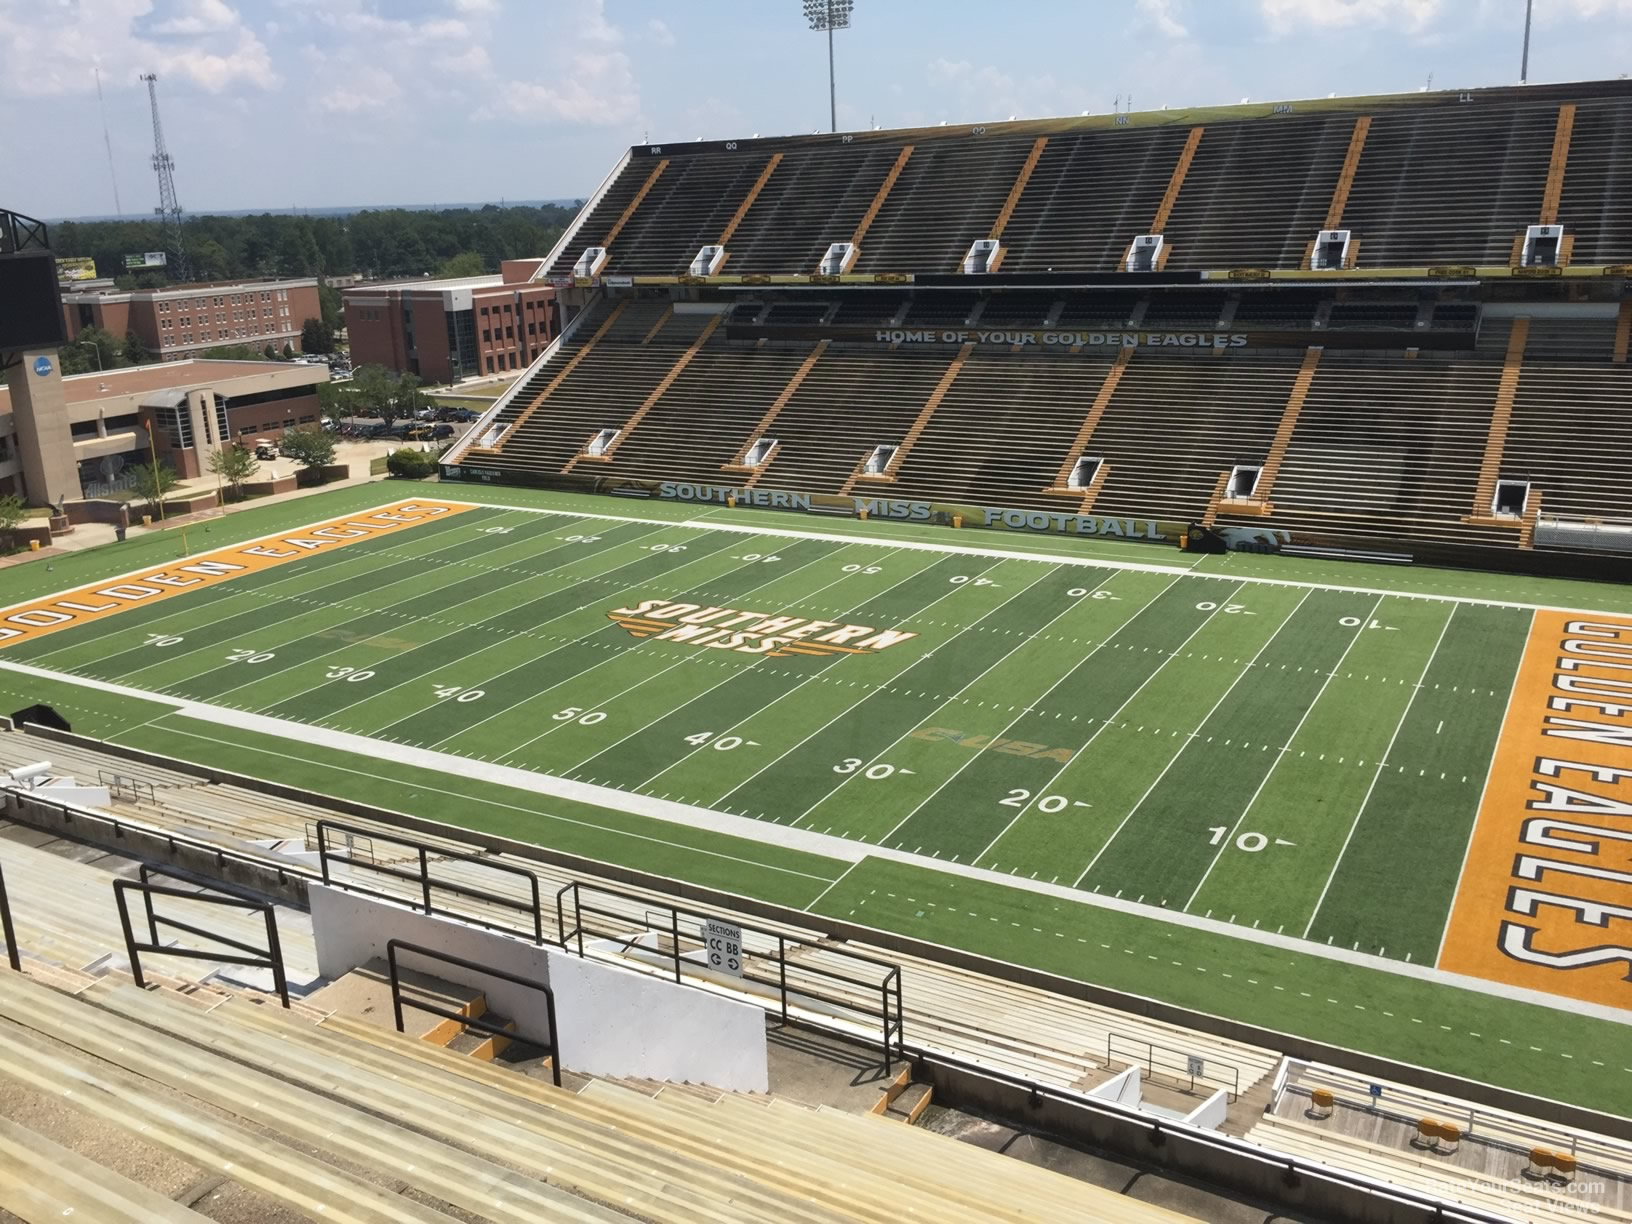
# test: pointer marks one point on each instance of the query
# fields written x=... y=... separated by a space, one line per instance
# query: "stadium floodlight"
x=830 y=15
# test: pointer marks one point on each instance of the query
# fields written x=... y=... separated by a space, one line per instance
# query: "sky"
x=281 y=104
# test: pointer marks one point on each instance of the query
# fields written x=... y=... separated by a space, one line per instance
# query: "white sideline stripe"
x=1055 y=558
x=766 y=832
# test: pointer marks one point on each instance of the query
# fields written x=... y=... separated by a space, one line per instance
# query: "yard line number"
x=250 y=656
x=445 y=692
x=576 y=714
x=877 y=771
x=1018 y=798
x=724 y=743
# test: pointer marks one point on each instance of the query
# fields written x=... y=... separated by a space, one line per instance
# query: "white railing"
x=583 y=215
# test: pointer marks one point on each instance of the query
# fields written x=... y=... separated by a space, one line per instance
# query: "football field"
x=1289 y=758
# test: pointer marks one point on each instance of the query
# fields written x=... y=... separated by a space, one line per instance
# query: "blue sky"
x=285 y=103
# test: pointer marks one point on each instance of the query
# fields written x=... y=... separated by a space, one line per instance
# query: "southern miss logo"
x=750 y=632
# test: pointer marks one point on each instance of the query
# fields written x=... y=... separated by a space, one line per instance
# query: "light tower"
x=830 y=15
x=169 y=210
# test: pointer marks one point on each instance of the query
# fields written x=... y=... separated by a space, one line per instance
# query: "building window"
x=512 y=361
x=490 y=365
x=487 y=335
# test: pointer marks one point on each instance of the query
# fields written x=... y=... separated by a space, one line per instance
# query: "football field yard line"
x=963 y=765
x=1109 y=719
x=600 y=702
x=871 y=688
x=1225 y=841
x=1490 y=769
x=355 y=614
x=646 y=726
x=1245 y=671
x=343 y=577
x=291 y=737
x=248 y=592
x=732 y=675
x=1382 y=764
x=839 y=880
x=599 y=629
x=600 y=575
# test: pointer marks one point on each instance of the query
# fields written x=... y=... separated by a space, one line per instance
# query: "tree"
x=269 y=352
x=309 y=446
x=239 y=352
x=374 y=392
x=328 y=300
x=154 y=482
x=94 y=349
x=316 y=337
x=407 y=397
x=135 y=352
x=410 y=463
x=12 y=513
x=466 y=263
x=235 y=464
x=288 y=351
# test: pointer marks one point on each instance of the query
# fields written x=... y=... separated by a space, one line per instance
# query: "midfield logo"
x=750 y=632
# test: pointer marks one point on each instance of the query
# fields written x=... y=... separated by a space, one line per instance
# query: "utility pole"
x=1524 y=62
x=169 y=209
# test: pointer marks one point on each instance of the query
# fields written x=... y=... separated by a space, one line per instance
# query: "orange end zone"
x=34 y=619
x=1545 y=899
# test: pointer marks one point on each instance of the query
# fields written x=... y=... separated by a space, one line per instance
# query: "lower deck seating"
x=1388 y=448
x=1570 y=437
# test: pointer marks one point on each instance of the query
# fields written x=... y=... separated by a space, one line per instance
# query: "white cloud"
x=658 y=31
x=481 y=8
x=363 y=89
x=1161 y=14
x=196 y=17
x=1408 y=16
x=589 y=79
x=201 y=41
x=1551 y=11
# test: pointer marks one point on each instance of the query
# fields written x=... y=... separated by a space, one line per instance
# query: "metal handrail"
x=9 y=931
x=422 y=877
x=271 y=958
x=1150 y=1062
x=475 y=1022
x=122 y=785
x=890 y=1008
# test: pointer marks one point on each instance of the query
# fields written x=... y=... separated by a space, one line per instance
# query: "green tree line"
x=375 y=242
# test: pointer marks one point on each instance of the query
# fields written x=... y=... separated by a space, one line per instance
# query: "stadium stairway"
x=375 y=1125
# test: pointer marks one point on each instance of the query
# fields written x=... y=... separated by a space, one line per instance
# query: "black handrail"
x=7 y=929
x=533 y=909
x=271 y=958
x=889 y=986
x=1173 y=1068
x=475 y=1022
x=1292 y=1167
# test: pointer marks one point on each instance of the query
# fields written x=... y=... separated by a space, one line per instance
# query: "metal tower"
x=169 y=210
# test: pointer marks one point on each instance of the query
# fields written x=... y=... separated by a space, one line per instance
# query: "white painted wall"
x=1124 y=1089
x=613 y=1021
x=1210 y=1114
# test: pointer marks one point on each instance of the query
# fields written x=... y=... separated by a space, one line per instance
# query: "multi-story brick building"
x=188 y=320
x=445 y=330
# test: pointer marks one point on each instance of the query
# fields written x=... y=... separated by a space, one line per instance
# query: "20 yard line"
x=1054 y=777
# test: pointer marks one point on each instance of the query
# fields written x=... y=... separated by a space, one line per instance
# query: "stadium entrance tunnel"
x=40 y=716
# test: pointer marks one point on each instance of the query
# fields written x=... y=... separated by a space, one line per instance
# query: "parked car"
x=417 y=433
x=442 y=431
x=265 y=449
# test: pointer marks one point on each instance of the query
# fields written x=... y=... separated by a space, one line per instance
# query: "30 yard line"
x=849 y=709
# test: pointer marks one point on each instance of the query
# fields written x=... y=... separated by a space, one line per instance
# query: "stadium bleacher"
x=1410 y=407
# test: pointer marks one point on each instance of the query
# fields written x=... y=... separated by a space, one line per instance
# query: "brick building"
x=186 y=320
x=61 y=438
x=445 y=330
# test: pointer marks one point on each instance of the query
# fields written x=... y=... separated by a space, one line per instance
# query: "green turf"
x=1554 y=1054
x=1227 y=737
